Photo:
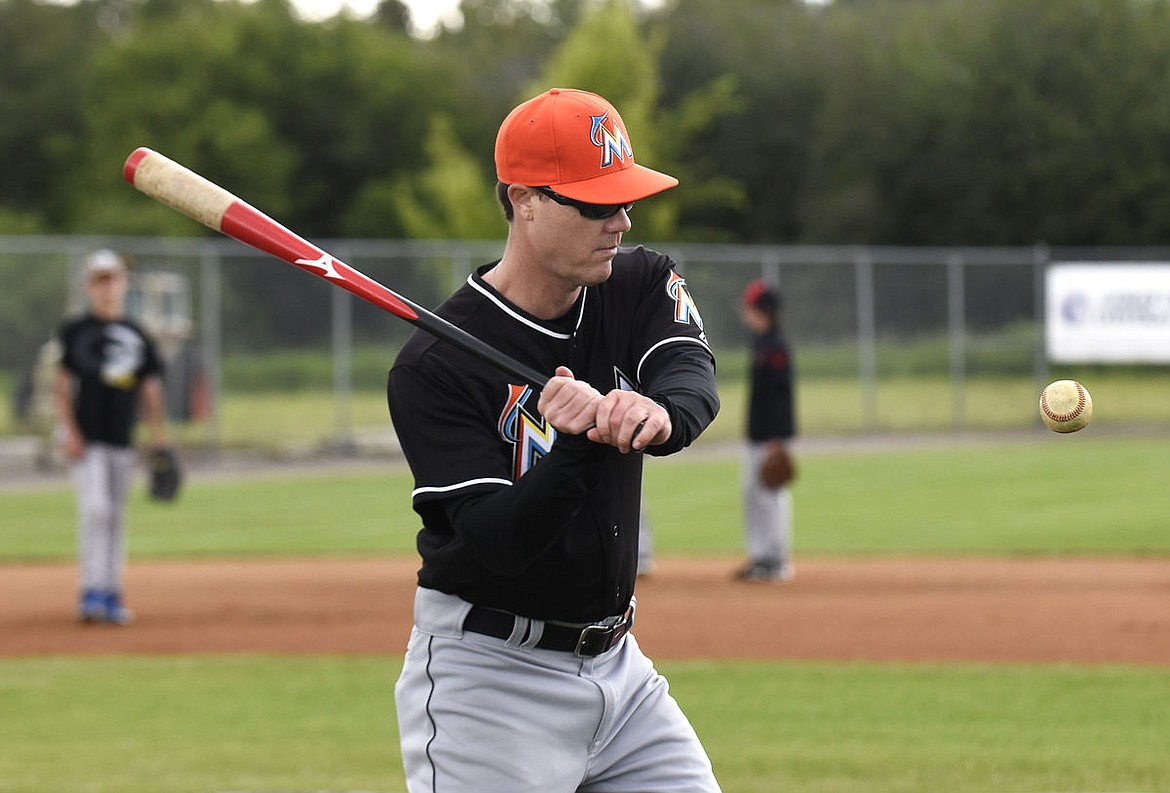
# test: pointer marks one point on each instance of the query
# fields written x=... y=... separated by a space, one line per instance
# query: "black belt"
x=586 y=641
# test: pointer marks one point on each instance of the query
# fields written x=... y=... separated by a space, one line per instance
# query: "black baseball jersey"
x=109 y=360
x=515 y=515
x=771 y=413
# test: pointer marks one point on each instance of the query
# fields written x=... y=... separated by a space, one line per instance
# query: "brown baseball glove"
x=778 y=468
x=165 y=474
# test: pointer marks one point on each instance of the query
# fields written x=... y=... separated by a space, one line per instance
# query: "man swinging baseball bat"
x=522 y=673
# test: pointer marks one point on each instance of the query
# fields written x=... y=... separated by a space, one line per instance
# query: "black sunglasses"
x=591 y=211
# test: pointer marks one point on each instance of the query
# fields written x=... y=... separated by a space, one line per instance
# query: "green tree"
x=607 y=52
x=482 y=66
x=1077 y=130
x=179 y=83
x=449 y=199
x=994 y=123
x=758 y=61
x=891 y=106
x=861 y=121
x=292 y=116
x=44 y=54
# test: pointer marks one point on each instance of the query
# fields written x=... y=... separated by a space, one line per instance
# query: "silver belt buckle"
x=586 y=632
x=611 y=626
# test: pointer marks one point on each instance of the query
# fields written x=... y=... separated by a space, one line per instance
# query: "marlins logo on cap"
x=575 y=143
x=612 y=142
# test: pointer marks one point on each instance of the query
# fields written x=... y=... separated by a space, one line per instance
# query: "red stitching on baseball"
x=1072 y=414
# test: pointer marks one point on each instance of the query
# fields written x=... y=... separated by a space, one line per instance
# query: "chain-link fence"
x=240 y=326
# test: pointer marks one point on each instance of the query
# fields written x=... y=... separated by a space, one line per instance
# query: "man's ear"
x=522 y=199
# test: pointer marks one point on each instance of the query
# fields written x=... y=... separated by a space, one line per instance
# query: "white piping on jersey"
x=672 y=339
x=524 y=320
x=458 y=485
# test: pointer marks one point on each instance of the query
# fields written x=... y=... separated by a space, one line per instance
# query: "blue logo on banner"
x=1074 y=308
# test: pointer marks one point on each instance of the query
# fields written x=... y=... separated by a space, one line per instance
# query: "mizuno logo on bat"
x=325 y=263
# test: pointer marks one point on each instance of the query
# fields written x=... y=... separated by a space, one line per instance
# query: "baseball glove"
x=166 y=477
x=778 y=467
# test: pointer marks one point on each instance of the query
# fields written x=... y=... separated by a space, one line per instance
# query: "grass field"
x=196 y=725
x=1041 y=494
x=157 y=725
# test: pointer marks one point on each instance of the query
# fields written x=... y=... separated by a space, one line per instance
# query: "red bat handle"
x=204 y=201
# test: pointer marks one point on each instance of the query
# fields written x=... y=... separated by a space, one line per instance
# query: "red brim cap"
x=754 y=292
x=575 y=143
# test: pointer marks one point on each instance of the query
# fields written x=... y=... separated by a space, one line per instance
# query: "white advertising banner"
x=1108 y=313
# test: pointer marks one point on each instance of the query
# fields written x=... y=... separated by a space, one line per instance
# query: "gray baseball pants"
x=102 y=480
x=478 y=714
x=767 y=513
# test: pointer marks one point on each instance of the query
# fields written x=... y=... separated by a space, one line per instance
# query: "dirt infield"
x=1082 y=610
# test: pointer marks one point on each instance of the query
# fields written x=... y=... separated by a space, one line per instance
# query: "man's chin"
x=599 y=274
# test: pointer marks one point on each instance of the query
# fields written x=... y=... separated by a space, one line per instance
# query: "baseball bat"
x=190 y=194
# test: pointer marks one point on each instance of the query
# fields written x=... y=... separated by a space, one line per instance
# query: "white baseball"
x=1065 y=406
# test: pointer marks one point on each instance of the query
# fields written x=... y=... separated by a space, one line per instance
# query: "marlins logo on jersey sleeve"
x=685 y=310
x=670 y=321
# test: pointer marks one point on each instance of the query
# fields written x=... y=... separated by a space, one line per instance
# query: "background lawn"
x=1040 y=494
x=265 y=723
x=262 y=723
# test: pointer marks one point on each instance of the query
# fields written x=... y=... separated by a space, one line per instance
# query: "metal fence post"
x=1040 y=259
x=956 y=326
x=866 y=337
x=460 y=268
x=211 y=333
x=770 y=267
x=342 y=337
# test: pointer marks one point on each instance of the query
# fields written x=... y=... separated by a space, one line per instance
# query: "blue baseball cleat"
x=115 y=612
x=92 y=607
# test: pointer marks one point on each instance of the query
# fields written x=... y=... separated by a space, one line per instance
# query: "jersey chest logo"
x=529 y=434
x=123 y=353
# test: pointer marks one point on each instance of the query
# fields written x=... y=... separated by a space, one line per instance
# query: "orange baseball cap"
x=575 y=143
